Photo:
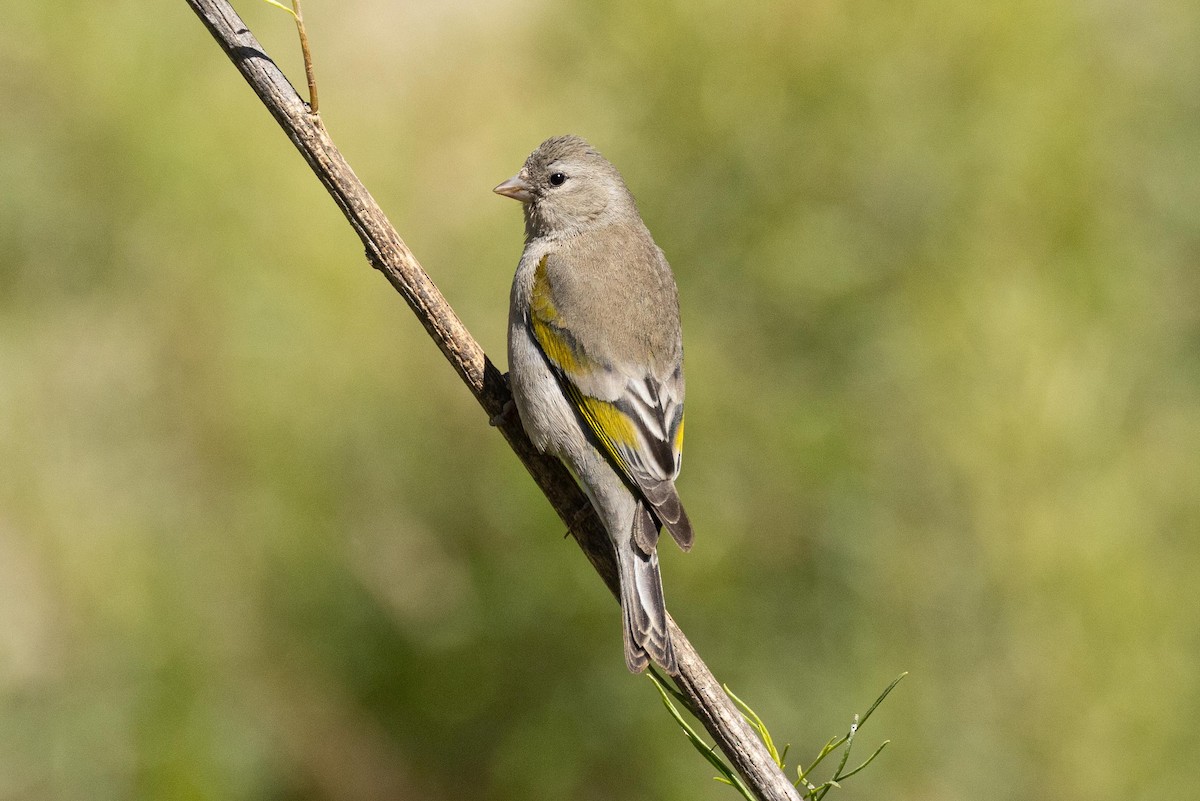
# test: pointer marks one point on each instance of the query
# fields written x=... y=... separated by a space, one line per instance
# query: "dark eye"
x=557 y=179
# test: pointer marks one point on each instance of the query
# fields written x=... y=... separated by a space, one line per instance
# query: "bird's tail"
x=642 y=606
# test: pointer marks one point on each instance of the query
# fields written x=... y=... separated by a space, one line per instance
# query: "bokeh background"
x=939 y=275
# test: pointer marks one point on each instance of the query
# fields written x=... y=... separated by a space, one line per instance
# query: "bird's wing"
x=634 y=415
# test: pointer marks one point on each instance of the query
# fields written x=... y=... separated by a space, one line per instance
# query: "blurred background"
x=939 y=275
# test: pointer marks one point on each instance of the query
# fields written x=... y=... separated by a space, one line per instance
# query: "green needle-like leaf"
x=868 y=761
x=882 y=695
x=280 y=5
x=829 y=748
x=756 y=722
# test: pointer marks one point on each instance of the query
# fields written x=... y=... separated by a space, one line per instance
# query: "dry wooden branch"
x=388 y=254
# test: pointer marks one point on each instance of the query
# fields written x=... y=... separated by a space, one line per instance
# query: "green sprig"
x=812 y=791
x=707 y=751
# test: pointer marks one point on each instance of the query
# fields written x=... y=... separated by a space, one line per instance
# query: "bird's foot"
x=506 y=414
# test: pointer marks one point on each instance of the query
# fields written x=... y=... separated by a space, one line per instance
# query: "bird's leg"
x=507 y=412
x=578 y=517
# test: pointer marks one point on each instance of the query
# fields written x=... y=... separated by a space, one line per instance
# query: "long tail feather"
x=642 y=606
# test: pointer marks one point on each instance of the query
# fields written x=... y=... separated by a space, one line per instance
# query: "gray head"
x=567 y=186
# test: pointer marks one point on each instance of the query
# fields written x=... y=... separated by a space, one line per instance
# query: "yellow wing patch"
x=541 y=304
x=609 y=424
x=543 y=317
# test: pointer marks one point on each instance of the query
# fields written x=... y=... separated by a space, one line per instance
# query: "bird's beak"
x=517 y=188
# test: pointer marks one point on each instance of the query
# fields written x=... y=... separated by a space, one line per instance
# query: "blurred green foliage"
x=939 y=276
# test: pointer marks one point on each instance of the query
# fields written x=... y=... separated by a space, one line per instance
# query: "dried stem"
x=298 y=15
x=308 y=62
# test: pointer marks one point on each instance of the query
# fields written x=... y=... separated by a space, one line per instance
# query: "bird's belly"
x=547 y=416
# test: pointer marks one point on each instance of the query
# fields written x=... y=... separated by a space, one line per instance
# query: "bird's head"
x=565 y=187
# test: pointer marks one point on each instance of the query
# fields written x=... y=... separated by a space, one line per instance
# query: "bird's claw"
x=505 y=415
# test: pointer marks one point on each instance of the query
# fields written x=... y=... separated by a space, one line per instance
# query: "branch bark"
x=387 y=252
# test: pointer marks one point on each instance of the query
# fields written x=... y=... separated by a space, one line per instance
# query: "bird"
x=595 y=356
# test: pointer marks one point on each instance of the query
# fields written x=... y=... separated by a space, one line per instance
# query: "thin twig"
x=298 y=15
x=308 y=62
x=388 y=254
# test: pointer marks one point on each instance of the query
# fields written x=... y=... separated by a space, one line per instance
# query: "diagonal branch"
x=388 y=254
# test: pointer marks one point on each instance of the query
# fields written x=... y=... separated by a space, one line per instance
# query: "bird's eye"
x=557 y=179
